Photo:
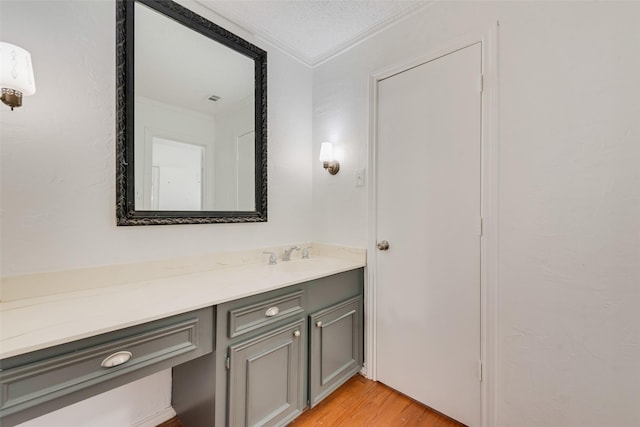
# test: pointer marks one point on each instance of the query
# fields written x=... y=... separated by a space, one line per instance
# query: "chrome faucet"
x=286 y=256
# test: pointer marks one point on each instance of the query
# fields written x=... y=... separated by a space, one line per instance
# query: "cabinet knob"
x=116 y=359
x=273 y=311
x=319 y=324
x=296 y=333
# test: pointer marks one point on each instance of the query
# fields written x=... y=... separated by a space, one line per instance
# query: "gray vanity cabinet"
x=275 y=353
x=272 y=360
x=335 y=350
x=266 y=377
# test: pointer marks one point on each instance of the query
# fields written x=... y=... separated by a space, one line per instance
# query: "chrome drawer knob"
x=116 y=359
x=296 y=333
x=273 y=311
x=319 y=324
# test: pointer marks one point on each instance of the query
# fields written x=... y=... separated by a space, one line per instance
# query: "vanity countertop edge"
x=32 y=324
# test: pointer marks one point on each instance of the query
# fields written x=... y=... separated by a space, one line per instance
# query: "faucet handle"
x=273 y=259
x=305 y=252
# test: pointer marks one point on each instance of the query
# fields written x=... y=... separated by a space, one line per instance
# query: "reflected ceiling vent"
x=214 y=98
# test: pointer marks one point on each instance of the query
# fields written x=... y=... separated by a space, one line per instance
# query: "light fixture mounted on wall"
x=16 y=74
x=327 y=158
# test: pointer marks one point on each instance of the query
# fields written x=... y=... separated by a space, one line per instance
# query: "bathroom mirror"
x=191 y=119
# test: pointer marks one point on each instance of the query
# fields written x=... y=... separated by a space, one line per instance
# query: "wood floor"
x=173 y=422
x=361 y=402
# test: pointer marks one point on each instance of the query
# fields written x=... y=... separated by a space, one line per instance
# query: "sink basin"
x=306 y=265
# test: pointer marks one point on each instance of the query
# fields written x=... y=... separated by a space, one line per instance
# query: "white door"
x=428 y=209
x=176 y=176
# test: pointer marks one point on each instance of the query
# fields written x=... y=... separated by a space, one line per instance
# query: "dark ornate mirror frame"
x=125 y=192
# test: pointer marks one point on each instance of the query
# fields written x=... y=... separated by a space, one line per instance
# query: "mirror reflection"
x=194 y=120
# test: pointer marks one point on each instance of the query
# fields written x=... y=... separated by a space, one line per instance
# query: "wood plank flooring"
x=361 y=402
x=364 y=403
x=173 y=422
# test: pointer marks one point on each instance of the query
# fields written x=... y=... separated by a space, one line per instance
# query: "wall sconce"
x=327 y=158
x=16 y=74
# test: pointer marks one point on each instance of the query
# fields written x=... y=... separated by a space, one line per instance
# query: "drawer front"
x=254 y=316
x=35 y=383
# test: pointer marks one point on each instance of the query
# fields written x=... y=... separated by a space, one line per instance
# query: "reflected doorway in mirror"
x=176 y=172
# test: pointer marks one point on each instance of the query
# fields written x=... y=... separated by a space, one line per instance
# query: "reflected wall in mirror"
x=191 y=137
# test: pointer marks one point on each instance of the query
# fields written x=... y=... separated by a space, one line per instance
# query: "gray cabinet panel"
x=266 y=377
x=336 y=347
x=326 y=291
x=193 y=391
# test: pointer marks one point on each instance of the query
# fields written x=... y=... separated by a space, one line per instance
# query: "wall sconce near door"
x=327 y=158
x=16 y=74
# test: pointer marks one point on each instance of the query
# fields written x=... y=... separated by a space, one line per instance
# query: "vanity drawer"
x=38 y=378
x=254 y=316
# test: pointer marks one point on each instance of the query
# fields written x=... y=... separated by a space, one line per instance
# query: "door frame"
x=489 y=212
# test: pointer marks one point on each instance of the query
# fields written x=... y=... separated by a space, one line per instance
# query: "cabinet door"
x=266 y=376
x=336 y=347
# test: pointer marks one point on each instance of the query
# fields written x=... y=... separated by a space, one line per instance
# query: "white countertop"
x=34 y=323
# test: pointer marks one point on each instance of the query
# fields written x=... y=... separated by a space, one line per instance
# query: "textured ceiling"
x=313 y=30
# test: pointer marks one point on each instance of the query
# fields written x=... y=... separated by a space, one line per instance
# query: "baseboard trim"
x=157 y=418
x=363 y=371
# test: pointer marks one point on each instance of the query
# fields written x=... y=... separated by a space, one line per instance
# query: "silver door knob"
x=383 y=245
x=296 y=334
x=319 y=324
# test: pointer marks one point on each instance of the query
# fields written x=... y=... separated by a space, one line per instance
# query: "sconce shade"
x=326 y=157
x=326 y=152
x=16 y=74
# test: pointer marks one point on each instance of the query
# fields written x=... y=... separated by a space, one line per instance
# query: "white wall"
x=58 y=163
x=569 y=194
x=230 y=124
x=145 y=403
